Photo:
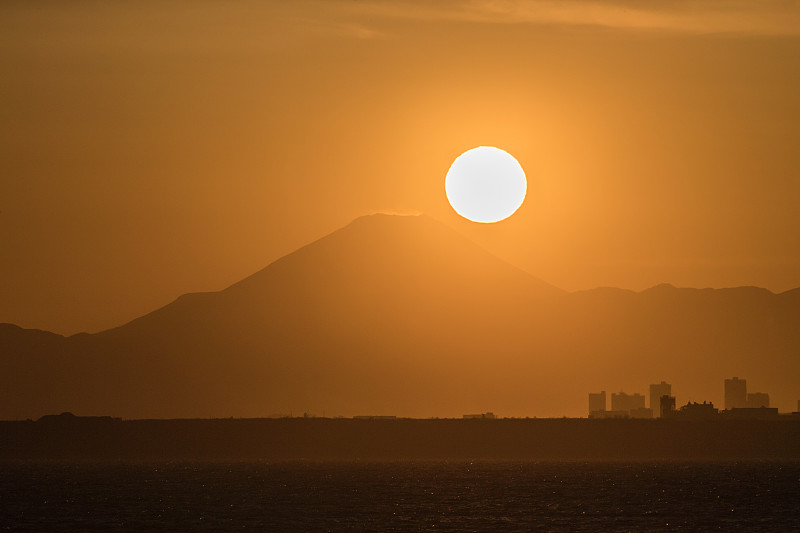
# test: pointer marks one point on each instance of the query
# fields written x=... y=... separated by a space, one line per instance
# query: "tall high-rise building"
x=735 y=393
x=597 y=401
x=757 y=399
x=667 y=405
x=621 y=401
x=657 y=390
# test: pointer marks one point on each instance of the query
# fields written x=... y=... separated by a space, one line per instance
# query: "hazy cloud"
x=771 y=17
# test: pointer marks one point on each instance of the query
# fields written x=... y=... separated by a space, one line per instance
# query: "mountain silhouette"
x=402 y=315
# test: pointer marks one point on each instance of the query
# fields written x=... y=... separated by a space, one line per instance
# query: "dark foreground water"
x=749 y=496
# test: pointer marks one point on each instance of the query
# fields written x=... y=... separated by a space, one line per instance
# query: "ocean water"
x=401 y=496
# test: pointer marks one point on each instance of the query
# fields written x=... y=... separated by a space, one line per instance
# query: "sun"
x=485 y=184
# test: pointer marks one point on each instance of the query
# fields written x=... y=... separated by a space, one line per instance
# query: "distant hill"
x=404 y=316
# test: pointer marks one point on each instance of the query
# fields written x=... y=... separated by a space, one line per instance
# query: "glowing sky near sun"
x=152 y=149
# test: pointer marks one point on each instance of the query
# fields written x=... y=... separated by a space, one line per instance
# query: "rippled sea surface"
x=748 y=496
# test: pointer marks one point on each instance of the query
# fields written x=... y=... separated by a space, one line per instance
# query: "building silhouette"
x=667 y=406
x=657 y=390
x=753 y=413
x=735 y=393
x=739 y=404
x=641 y=412
x=621 y=401
x=597 y=402
x=480 y=416
x=610 y=414
x=757 y=399
x=698 y=411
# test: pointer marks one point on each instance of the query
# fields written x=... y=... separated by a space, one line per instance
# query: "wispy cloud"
x=341 y=28
x=767 y=17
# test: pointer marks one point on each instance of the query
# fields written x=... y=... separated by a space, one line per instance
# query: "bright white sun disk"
x=485 y=184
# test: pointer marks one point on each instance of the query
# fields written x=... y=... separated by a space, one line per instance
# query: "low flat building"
x=621 y=401
x=757 y=399
x=641 y=412
x=697 y=411
x=752 y=413
x=481 y=416
x=609 y=414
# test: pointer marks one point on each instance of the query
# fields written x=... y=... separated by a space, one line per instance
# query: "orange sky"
x=150 y=149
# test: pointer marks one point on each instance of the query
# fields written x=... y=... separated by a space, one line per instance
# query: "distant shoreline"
x=107 y=438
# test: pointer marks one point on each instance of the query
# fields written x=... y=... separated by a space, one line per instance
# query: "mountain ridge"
x=403 y=315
